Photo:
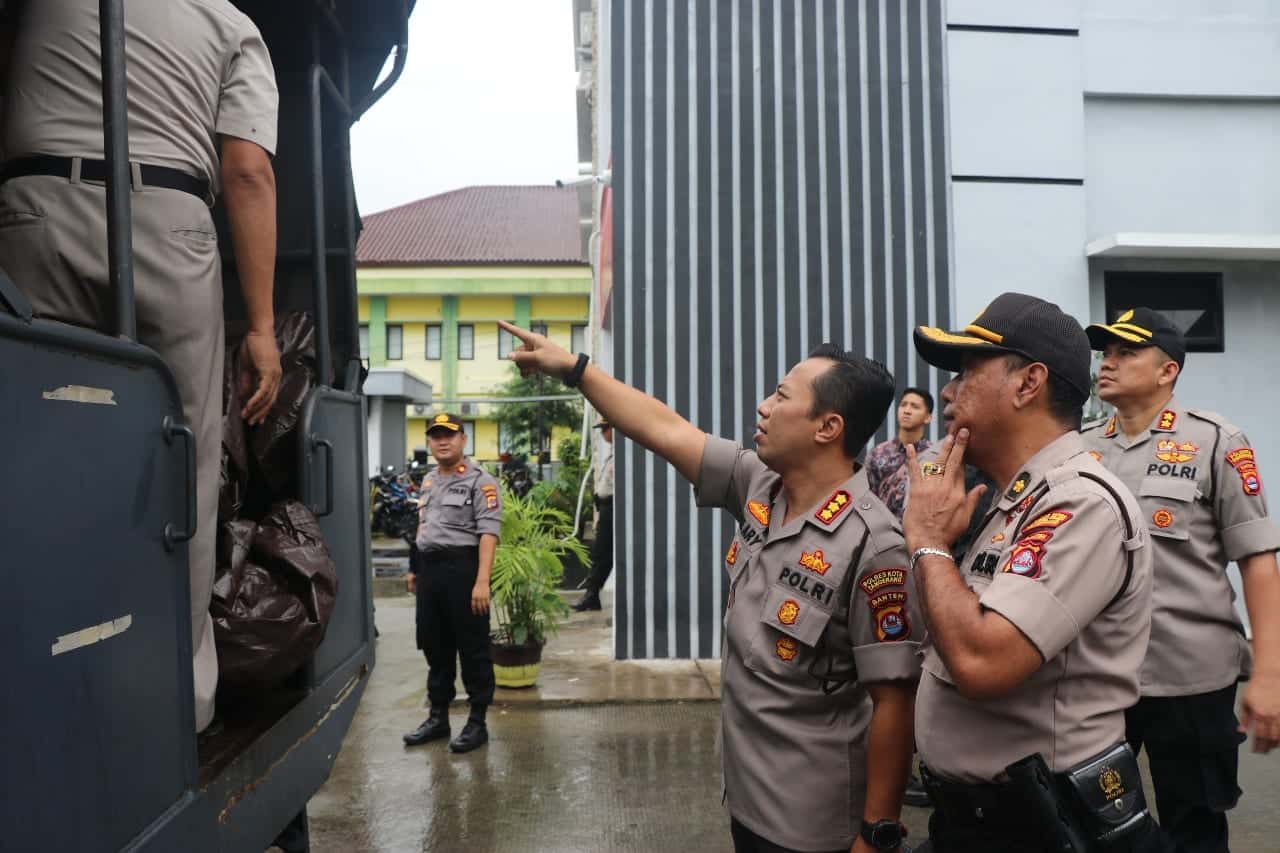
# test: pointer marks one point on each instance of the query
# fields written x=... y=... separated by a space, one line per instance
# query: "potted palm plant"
x=527 y=568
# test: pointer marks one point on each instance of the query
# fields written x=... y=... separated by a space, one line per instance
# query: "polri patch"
x=834 y=507
x=872 y=583
x=759 y=511
x=814 y=562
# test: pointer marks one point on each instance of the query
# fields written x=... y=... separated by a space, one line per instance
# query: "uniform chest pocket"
x=454 y=504
x=1167 y=503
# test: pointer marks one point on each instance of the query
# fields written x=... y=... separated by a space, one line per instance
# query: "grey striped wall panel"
x=779 y=180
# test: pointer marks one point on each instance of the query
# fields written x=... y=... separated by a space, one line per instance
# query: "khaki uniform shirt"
x=1200 y=493
x=196 y=69
x=1050 y=558
x=456 y=507
x=829 y=586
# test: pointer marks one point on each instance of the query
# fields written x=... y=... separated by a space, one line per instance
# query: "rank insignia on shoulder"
x=1019 y=485
x=1051 y=519
x=1168 y=419
x=814 y=562
x=999 y=537
x=789 y=612
x=786 y=648
x=1242 y=459
x=834 y=507
x=1162 y=518
x=732 y=556
x=759 y=511
x=885 y=577
x=1111 y=428
x=1097 y=457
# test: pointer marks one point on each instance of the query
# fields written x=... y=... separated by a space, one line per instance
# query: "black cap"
x=1015 y=323
x=444 y=420
x=1141 y=327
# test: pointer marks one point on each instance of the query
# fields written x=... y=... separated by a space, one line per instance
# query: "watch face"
x=886 y=835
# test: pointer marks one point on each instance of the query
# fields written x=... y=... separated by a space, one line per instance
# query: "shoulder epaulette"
x=1098 y=424
x=1216 y=419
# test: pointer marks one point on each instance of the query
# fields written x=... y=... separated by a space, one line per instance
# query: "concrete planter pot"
x=516 y=666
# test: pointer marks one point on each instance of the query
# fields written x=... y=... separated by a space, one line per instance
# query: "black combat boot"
x=475 y=734
x=435 y=727
x=590 y=601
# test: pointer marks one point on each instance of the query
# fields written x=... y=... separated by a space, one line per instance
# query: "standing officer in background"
x=460 y=518
x=1200 y=493
x=1035 y=641
x=820 y=653
x=202 y=106
x=602 y=548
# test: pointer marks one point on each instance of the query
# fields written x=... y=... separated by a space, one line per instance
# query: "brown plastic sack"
x=272 y=598
x=272 y=442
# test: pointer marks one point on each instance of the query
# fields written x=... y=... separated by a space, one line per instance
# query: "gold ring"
x=930 y=469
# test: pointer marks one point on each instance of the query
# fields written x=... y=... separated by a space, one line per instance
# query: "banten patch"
x=786 y=648
x=759 y=511
x=1242 y=459
x=789 y=612
x=1024 y=561
x=834 y=508
x=884 y=599
x=1019 y=485
x=892 y=624
x=885 y=577
x=814 y=562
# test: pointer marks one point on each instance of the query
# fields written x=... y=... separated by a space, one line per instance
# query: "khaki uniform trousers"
x=53 y=244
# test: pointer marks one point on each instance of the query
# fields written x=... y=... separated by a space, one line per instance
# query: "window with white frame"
x=364 y=341
x=466 y=342
x=431 y=346
x=395 y=343
x=469 y=430
x=578 y=337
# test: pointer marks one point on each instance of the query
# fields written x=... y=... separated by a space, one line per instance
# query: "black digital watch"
x=884 y=835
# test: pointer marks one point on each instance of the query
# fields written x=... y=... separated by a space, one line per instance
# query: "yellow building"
x=434 y=277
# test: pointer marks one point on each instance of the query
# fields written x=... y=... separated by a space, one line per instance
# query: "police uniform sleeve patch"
x=891 y=621
x=876 y=581
x=789 y=612
x=1051 y=519
x=834 y=507
x=759 y=511
x=1246 y=465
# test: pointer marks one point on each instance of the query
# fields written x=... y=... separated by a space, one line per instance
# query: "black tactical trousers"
x=746 y=841
x=1192 y=745
x=448 y=630
x=602 y=548
x=949 y=837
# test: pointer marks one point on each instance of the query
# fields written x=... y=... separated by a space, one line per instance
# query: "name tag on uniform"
x=986 y=564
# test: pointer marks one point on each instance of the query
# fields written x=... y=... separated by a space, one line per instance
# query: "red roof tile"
x=476 y=225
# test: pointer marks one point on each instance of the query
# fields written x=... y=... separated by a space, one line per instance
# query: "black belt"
x=96 y=170
x=452 y=552
x=993 y=806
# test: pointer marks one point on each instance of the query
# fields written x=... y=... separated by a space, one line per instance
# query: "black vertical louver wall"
x=779 y=180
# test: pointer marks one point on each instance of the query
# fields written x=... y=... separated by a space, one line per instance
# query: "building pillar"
x=377 y=331
x=449 y=346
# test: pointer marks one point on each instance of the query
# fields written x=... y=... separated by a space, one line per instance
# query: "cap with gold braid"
x=1014 y=323
x=1141 y=327
x=444 y=421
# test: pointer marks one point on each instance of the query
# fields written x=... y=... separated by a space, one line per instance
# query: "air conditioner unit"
x=419 y=408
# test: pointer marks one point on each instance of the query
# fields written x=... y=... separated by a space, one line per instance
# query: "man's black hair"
x=922 y=394
x=1066 y=403
x=855 y=388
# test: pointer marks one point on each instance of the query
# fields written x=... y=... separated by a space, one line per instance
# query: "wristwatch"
x=884 y=835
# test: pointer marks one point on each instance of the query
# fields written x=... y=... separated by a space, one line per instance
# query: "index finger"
x=955 y=461
x=523 y=334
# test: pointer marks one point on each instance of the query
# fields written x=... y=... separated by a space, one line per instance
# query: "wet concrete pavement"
x=602 y=756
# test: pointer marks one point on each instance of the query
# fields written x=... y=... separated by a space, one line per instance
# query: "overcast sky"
x=487 y=97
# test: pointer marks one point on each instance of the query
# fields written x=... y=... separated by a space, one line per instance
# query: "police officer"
x=202 y=105
x=821 y=635
x=602 y=548
x=1035 y=640
x=460 y=518
x=1200 y=495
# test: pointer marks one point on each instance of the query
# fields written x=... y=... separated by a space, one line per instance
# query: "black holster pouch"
x=1096 y=806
